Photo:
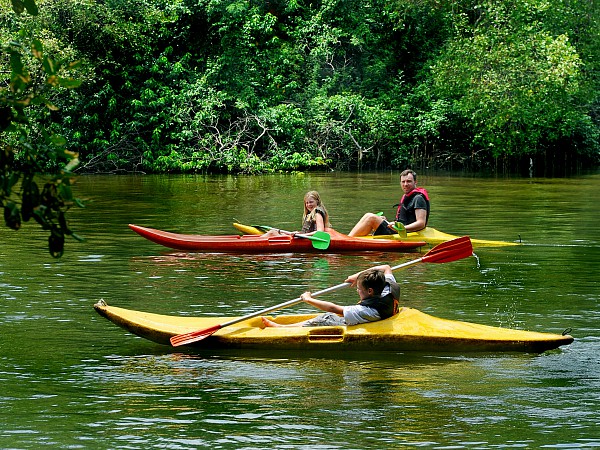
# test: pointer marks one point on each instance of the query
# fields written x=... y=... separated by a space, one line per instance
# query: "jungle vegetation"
x=278 y=85
x=259 y=86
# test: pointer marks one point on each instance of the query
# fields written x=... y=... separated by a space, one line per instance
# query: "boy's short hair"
x=372 y=279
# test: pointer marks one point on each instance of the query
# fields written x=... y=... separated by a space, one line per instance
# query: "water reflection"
x=221 y=395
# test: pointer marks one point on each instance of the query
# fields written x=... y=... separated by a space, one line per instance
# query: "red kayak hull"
x=340 y=243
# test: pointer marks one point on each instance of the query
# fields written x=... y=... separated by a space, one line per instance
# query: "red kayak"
x=277 y=244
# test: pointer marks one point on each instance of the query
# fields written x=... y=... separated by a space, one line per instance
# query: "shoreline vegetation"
x=257 y=87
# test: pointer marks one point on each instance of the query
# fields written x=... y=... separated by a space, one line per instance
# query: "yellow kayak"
x=429 y=235
x=409 y=330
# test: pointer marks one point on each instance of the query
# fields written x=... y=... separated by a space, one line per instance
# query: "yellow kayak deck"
x=409 y=330
x=430 y=235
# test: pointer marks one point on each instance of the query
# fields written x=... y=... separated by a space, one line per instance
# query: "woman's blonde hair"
x=311 y=215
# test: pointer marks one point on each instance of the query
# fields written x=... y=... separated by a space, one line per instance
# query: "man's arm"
x=420 y=223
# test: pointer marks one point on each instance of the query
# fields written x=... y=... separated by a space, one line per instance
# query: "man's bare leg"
x=366 y=225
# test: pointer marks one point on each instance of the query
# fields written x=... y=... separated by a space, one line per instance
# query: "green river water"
x=71 y=379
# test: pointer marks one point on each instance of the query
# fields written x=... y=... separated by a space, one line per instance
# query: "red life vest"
x=406 y=197
x=413 y=192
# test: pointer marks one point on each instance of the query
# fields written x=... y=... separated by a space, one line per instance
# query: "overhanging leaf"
x=18 y=6
x=58 y=140
x=77 y=237
x=37 y=49
x=16 y=64
x=73 y=65
x=69 y=83
x=31 y=7
x=65 y=191
x=50 y=66
x=72 y=165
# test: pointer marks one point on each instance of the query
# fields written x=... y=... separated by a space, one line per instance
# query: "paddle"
x=262 y=228
x=448 y=251
x=320 y=239
x=398 y=226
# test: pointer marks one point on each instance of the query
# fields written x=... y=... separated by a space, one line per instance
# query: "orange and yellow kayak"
x=248 y=243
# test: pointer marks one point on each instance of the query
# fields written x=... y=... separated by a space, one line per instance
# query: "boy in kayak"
x=413 y=211
x=378 y=292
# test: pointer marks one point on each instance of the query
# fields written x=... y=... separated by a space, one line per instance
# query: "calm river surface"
x=71 y=379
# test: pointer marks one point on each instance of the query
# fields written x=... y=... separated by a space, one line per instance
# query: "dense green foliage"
x=254 y=86
x=29 y=146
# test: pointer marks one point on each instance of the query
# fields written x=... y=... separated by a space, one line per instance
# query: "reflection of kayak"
x=275 y=244
x=409 y=330
x=429 y=235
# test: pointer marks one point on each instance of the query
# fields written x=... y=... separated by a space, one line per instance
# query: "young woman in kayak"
x=315 y=217
x=413 y=211
x=378 y=293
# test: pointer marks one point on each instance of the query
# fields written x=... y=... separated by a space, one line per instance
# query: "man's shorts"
x=383 y=228
x=328 y=319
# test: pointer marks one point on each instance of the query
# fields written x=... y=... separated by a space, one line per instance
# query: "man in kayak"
x=378 y=292
x=413 y=211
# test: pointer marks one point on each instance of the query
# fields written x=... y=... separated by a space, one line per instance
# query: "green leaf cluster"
x=516 y=80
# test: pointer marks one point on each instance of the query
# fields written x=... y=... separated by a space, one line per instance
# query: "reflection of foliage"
x=29 y=148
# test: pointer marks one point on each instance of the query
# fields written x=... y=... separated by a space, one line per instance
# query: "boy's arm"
x=322 y=305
